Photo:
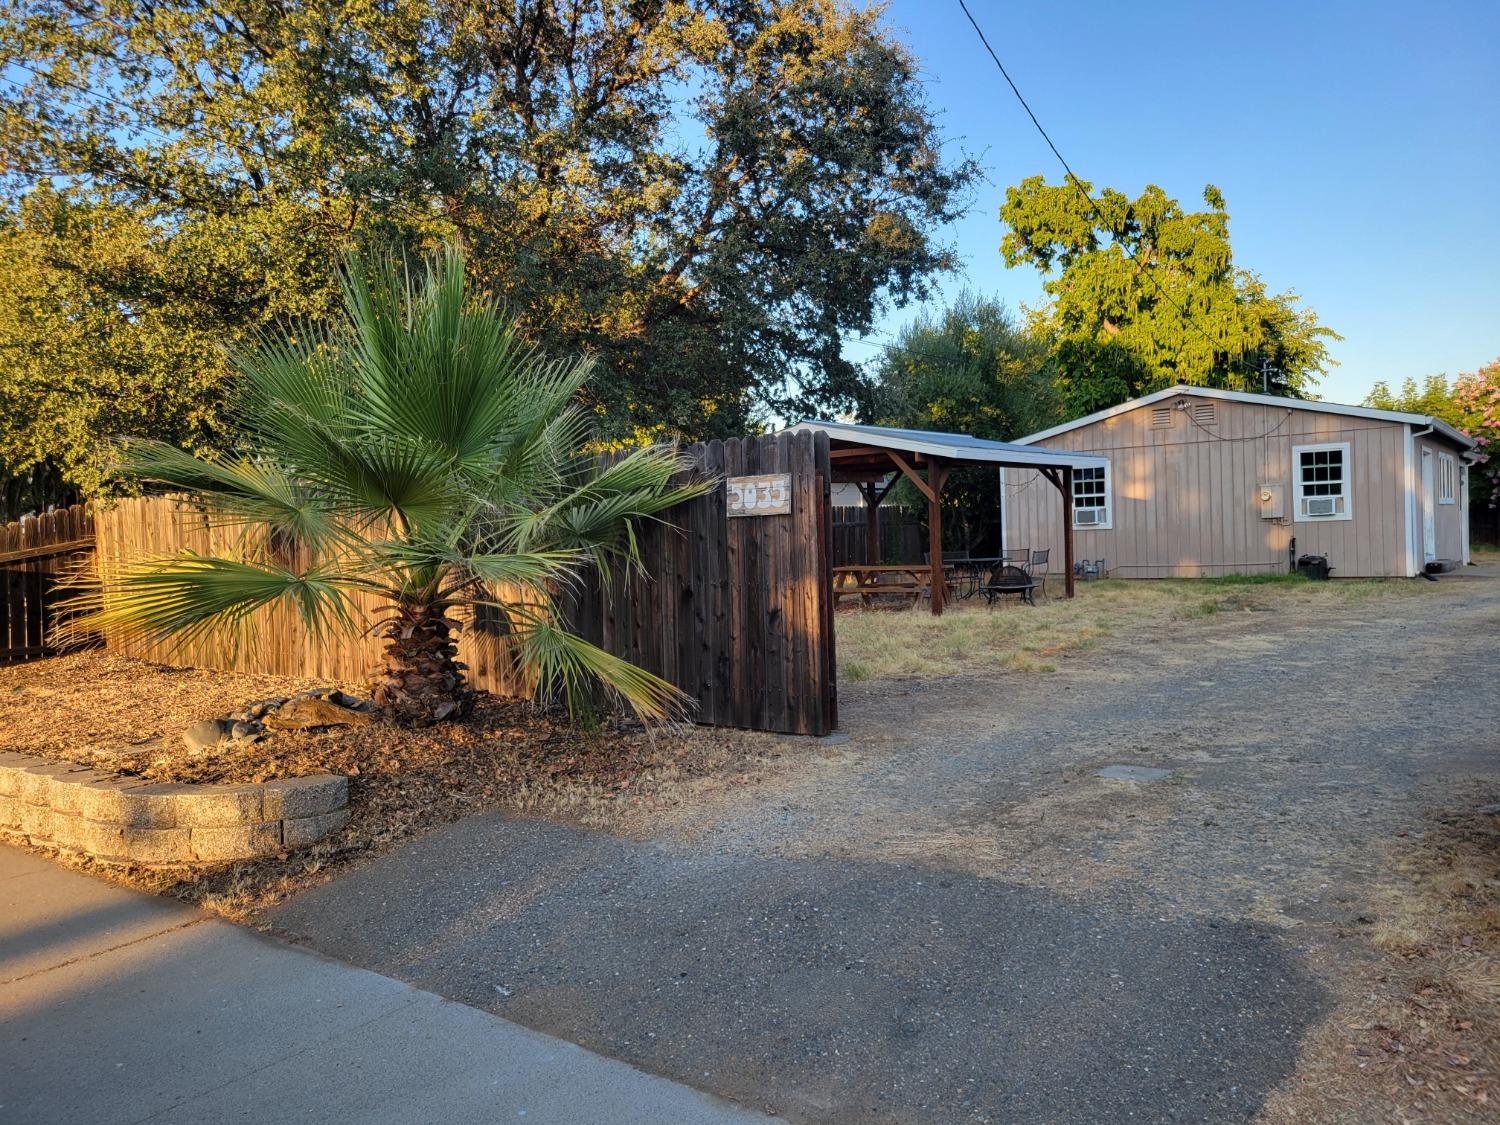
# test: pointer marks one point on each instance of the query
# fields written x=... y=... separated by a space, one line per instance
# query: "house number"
x=760 y=496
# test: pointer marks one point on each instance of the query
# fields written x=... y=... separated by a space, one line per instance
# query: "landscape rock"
x=206 y=734
x=246 y=731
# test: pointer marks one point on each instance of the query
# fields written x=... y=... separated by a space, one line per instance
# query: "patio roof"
x=961 y=448
x=877 y=456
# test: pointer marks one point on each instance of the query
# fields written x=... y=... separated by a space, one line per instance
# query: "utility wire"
x=1078 y=186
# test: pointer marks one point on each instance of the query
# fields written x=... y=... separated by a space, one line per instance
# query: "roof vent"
x=1161 y=417
x=1203 y=413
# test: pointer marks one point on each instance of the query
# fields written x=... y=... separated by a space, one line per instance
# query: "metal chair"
x=1039 y=560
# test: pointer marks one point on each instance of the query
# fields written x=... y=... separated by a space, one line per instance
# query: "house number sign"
x=760 y=496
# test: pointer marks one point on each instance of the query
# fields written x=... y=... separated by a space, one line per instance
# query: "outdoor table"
x=863 y=581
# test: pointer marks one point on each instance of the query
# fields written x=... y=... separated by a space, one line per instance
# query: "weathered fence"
x=36 y=554
x=901 y=536
x=736 y=611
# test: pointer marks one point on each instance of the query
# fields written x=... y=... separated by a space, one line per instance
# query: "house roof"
x=1437 y=424
x=954 y=447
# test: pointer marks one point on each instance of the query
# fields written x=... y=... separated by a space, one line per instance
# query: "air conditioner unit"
x=1086 y=517
x=1322 y=505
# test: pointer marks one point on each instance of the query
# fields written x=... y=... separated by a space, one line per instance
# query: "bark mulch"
x=127 y=715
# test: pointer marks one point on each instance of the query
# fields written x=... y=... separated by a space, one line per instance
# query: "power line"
x=1078 y=186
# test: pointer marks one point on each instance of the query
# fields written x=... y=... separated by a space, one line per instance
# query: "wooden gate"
x=737 y=612
x=36 y=553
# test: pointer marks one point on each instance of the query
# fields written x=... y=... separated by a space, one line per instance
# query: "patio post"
x=1067 y=499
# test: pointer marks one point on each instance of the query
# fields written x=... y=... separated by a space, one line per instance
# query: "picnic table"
x=866 y=580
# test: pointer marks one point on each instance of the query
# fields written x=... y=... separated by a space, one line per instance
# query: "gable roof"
x=957 y=447
x=1437 y=424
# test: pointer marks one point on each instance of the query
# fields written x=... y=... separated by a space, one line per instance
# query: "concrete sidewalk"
x=119 y=1007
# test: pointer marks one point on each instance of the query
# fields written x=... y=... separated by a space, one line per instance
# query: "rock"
x=306 y=712
x=206 y=734
x=243 y=731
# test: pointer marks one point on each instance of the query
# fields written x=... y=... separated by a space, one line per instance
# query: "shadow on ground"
x=830 y=990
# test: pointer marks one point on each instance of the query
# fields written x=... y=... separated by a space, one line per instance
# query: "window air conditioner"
x=1322 y=506
x=1086 y=517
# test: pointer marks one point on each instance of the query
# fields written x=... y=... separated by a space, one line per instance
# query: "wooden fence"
x=902 y=539
x=36 y=553
x=737 y=612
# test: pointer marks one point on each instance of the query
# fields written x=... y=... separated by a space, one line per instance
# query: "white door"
x=1429 y=509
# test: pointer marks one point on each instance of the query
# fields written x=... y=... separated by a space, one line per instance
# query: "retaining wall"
x=128 y=820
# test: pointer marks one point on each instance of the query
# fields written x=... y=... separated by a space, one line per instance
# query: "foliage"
x=414 y=449
x=1433 y=397
x=1471 y=403
x=706 y=194
x=970 y=369
x=89 y=349
x=1145 y=295
x=1477 y=396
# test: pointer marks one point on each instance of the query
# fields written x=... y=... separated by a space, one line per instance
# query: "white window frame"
x=1108 y=507
x=1447 y=489
x=1345 y=494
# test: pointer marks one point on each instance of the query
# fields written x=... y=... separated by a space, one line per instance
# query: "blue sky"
x=1357 y=146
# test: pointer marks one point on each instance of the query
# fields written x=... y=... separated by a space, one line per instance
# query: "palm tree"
x=416 y=449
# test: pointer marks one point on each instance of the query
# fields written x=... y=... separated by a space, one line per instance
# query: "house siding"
x=1185 y=497
x=1449 y=519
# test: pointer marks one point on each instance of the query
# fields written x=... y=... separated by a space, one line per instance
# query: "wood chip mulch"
x=126 y=715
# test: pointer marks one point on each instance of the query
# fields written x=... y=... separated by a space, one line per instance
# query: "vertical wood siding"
x=1186 y=496
x=735 y=612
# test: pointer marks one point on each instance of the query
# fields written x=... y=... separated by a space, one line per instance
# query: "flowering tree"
x=1478 y=398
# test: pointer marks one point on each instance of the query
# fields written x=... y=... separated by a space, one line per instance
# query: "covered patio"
x=868 y=455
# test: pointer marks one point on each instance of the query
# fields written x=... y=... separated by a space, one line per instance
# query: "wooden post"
x=873 y=496
x=1067 y=499
x=936 y=475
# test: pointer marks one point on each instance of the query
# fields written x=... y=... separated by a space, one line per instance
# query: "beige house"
x=1204 y=482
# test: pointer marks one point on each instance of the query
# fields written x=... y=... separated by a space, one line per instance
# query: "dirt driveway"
x=951 y=916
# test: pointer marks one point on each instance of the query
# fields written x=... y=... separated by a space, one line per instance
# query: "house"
x=1203 y=482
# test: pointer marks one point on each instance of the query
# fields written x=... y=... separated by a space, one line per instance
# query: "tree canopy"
x=1433 y=397
x=1145 y=295
x=705 y=194
x=973 y=369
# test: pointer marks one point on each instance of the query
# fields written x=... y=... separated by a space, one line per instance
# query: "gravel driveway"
x=951 y=917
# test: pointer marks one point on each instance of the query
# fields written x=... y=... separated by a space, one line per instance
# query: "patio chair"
x=1007 y=579
x=1037 y=568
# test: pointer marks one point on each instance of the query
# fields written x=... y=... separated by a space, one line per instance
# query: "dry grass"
x=878 y=643
x=1419 y=1035
x=91 y=706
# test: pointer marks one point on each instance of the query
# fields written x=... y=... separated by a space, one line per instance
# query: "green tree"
x=1432 y=397
x=705 y=194
x=415 y=449
x=1146 y=295
x=971 y=369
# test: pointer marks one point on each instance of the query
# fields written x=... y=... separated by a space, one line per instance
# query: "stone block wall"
x=127 y=820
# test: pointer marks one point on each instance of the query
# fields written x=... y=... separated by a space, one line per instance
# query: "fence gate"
x=36 y=553
x=736 y=605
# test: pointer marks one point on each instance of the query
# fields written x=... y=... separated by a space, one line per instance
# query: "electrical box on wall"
x=1272 y=501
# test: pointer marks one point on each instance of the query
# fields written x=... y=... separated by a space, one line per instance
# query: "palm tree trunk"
x=419 y=682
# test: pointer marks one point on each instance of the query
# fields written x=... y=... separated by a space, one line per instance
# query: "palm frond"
x=186 y=597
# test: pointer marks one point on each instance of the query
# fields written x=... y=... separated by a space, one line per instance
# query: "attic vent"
x=1203 y=413
x=1161 y=417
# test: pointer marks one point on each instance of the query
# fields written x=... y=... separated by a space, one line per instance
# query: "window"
x=1447 y=478
x=1320 y=482
x=1091 y=506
